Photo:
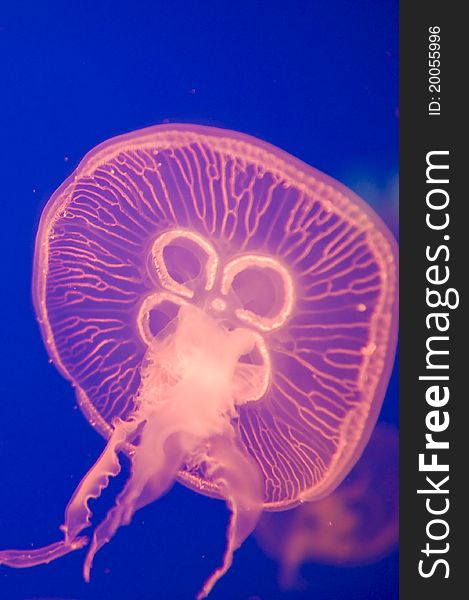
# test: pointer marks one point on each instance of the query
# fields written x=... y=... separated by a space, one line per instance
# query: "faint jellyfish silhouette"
x=227 y=316
x=357 y=524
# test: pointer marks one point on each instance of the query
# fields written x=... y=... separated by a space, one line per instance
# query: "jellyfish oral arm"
x=238 y=478
x=190 y=384
x=185 y=402
x=22 y=559
x=77 y=513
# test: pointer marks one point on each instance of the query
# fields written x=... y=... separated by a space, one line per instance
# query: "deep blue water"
x=316 y=78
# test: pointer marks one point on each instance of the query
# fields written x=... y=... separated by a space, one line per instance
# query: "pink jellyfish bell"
x=227 y=316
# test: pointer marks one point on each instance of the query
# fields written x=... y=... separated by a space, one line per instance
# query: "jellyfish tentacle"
x=239 y=480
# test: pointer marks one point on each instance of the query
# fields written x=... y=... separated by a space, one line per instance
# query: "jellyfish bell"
x=227 y=316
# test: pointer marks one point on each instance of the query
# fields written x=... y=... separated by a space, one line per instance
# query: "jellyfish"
x=227 y=317
x=357 y=524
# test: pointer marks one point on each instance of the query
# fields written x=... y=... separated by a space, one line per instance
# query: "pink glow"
x=357 y=524
x=227 y=316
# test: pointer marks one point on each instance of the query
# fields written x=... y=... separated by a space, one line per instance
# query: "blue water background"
x=316 y=78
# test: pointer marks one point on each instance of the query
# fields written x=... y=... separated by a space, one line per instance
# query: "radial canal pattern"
x=323 y=304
